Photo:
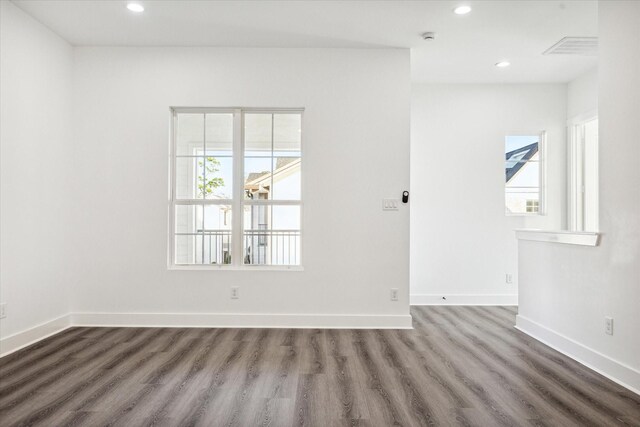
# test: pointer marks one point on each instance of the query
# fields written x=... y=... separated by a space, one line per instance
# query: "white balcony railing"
x=272 y=247
x=260 y=247
x=216 y=247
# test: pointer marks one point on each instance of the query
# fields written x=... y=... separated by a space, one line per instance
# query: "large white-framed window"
x=235 y=188
x=582 y=179
x=525 y=174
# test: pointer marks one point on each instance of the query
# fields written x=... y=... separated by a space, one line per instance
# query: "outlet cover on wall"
x=608 y=325
x=394 y=294
x=509 y=278
x=235 y=292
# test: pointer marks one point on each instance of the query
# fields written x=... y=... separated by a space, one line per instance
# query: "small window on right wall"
x=524 y=174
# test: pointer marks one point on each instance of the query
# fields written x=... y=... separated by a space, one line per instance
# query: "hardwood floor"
x=459 y=366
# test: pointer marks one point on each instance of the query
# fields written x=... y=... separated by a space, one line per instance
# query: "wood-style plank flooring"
x=460 y=366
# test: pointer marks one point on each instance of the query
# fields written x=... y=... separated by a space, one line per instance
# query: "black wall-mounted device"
x=405 y=197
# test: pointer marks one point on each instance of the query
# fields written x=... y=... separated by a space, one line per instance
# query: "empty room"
x=319 y=213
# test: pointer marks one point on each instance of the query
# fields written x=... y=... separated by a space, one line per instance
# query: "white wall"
x=582 y=95
x=462 y=244
x=356 y=151
x=35 y=108
x=566 y=291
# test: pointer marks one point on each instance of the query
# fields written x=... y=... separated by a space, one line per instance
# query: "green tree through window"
x=209 y=182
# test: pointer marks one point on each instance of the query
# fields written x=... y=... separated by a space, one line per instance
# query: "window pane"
x=257 y=218
x=188 y=249
x=257 y=178
x=189 y=134
x=287 y=131
x=256 y=234
x=189 y=176
x=257 y=134
x=217 y=248
x=217 y=218
x=522 y=174
x=218 y=178
x=286 y=178
x=219 y=134
x=285 y=235
x=188 y=218
x=272 y=235
x=514 y=143
x=286 y=218
x=217 y=234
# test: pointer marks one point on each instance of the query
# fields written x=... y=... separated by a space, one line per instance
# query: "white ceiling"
x=465 y=50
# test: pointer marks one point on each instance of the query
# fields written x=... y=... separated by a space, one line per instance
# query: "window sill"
x=527 y=214
x=234 y=268
x=582 y=238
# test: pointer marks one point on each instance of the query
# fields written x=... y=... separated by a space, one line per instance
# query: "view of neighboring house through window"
x=236 y=187
x=533 y=206
x=523 y=174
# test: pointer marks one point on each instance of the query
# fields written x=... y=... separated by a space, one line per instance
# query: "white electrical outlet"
x=235 y=292
x=608 y=325
x=394 y=294
x=3 y=310
x=509 y=279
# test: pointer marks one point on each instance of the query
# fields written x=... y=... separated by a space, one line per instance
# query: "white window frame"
x=238 y=202
x=542 y=178
x=576 y=216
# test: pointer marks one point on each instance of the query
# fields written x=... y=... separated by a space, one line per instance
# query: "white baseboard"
x=20 y=340
x=23 y=339
x=463 y=299
x=236 y=320
x=620 y=373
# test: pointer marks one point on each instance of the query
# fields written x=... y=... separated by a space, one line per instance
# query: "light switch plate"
x=390 y=204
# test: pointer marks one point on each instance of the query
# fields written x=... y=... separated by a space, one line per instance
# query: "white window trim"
x=575 y=166
x=542 y=198
x=237 y=262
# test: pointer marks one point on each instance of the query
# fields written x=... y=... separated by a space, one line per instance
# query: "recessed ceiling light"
x=503 y=64
x=135 y=7
x=462 y=10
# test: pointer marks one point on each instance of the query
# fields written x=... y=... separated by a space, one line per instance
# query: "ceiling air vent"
x=587 y=46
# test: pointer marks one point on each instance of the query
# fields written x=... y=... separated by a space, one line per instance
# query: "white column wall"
x=462 y=243
x=566 y=291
